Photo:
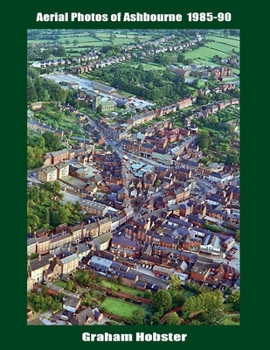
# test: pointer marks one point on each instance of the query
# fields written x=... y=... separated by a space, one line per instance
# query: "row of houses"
x=102 y=63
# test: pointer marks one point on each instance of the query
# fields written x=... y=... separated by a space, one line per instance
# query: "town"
x=133 y=183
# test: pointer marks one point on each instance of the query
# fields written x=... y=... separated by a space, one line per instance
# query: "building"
x=47 y=174
x=62 y=170
x=93 y=207
x=59 y=156
x=36 y=267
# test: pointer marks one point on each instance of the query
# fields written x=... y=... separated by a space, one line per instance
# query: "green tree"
x=69 y=285
x=175 y=281
x=138 y=317
x=206 y=305
x=203 y=139
x=237 y=235
x=162 y=299
x=32 y=222
x=234 y=299
x=172 y=319
x=52 y=142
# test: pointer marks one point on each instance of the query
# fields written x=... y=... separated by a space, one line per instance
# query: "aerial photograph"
x=133 y=177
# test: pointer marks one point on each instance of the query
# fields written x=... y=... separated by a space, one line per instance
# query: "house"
x=86 y=316
x=102 y=242
x=60 y=240
x=31 y=245
x=71 y=303
x=82 y=250
x=192 y=243
x=30 y=283
x=211 y=244
x=228 y=243
x=201 y=270
x=36 y=267
x=100 y=264
x=43 y=244
x=59 y=156
x=69 y=263
x=53 y=272
x=93 y=207
x=125 y=248
x=128 y=278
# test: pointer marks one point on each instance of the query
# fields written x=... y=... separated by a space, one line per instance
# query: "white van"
x=64 y=318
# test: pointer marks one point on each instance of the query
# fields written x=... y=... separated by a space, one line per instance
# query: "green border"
x=18 y=20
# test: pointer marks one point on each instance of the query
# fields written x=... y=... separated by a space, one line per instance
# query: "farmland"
x=204 y=54
x=90 y=39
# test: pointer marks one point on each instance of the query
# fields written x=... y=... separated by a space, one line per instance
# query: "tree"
x=69 y=285
x=162 y=299
x=208 y=305
x=234 y=299
x=32 y=222
x=52 y=142
x=172 y=319
x=138 y=317
x=175 y=281
x=75 y=42
x=203 y=139
x=67 y=42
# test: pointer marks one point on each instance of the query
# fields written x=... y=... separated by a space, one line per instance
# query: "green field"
x=149 y=66
x=205 y=54
x=221 y=48
x=101 y=38
x=234 y=42
x=118 y=307
x=124 y=289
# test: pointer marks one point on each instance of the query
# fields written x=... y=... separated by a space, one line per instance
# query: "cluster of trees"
x=234 y=299
x=110 y=50
x=43 y=302
x=149 y=84
x=33 y=53
x=39 y=89
x=45 y=209
x=205 y=308
x=83 y=278
x=38 y=145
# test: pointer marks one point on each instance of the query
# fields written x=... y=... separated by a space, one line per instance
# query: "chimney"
x=39 y=257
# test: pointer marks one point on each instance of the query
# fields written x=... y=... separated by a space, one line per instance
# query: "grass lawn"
x=60 y=284
x=118 y=307
x=124 y=289
x=229 y=321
